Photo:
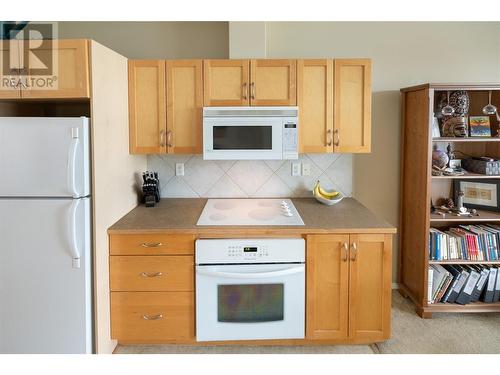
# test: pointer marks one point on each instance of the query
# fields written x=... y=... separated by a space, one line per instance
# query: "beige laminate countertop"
x=181 y=214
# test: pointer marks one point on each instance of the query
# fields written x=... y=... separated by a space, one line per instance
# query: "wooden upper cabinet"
x=184 y=106
x=147 y=106
x=327 y=287
x=352 y=105
x=315 y=101
x=71 y=72
x=9 y=74
x=273 y=82
x=226 y=82
x=370 y=286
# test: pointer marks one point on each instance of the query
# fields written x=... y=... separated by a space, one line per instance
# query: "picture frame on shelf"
x=483 y=194
x=479 y=126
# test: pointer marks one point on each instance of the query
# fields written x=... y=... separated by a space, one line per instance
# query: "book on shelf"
x=463 y=284
x=479 y=242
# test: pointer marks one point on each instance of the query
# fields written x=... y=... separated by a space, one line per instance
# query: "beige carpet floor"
x=444 y=333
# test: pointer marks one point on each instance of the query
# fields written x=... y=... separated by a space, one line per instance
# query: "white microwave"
x=250 y=133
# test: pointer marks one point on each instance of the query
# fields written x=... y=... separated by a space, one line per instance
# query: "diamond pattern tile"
x=250 y=178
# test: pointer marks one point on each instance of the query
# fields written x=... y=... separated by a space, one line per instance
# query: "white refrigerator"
x=45 y=235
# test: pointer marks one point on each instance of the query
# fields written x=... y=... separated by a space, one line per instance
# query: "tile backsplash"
x=250 y=178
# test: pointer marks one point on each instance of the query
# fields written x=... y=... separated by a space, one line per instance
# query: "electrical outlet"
x=306 y=169
x=179 y=169
x=295 y=169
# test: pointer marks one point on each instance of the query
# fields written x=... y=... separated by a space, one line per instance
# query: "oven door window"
x=250 y=303
x=242 y=137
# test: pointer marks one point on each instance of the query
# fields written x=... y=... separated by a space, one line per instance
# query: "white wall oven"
x=250 y=133
x=250 y=289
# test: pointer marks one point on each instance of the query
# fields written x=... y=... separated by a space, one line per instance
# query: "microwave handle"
x=258 y=275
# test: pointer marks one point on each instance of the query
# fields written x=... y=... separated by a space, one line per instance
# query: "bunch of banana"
x=325 y=196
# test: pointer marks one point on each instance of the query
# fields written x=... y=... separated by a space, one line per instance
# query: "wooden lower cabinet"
x=142 y=316
x=349 y=287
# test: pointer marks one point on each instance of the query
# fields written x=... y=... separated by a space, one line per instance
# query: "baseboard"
x=395 y=286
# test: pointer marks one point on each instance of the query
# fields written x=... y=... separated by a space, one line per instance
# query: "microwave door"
x=237 y=138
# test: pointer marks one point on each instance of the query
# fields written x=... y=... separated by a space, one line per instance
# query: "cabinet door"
x=184 y=106
x=327 y=287
x=273 y=82
x=370 y=286
x=352 y=105
x=71 y=72
x=147 y=106
x=226 y=82
x=9 y=70
x=315 y=101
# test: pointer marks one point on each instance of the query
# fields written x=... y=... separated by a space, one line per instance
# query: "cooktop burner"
x=250 y=212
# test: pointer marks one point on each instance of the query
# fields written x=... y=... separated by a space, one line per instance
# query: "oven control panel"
x=250 y=250
x=247 y=252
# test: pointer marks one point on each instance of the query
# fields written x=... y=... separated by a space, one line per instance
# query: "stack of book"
x=463 y=284
x=465 y=242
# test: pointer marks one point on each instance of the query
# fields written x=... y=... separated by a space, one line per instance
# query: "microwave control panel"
x=290 y=140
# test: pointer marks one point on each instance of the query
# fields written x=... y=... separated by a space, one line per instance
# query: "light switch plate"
x=306 y=169
x=295 y=169
x=179 y=169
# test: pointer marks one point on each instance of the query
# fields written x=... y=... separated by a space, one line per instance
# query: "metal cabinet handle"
x=156 y=244
x=337 y=142
x=345 y=247
x=245 y=91
x=152 y=317
x=329 y=137
x=169 y=139
x=354 y=252
x=252 y=90
x=162 y=138
x=151 y=274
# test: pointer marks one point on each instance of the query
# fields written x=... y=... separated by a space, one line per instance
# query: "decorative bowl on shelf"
x=325 y=196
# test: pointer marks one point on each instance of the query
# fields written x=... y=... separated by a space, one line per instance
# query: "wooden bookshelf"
x=462 y=261
x=419 y=187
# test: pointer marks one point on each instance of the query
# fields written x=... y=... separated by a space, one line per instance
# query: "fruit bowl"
x=326 y=197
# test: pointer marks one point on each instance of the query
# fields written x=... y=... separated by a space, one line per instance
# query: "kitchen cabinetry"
x=250 y=82
x=70 y=78
x=147 y=106
x=165 y=105
x=352 y=105
x=152 y=295
x=334 y=99
x=315 y=101
x=226 y=82
x=349 y=286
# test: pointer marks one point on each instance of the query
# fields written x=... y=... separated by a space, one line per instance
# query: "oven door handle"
x=257 y=275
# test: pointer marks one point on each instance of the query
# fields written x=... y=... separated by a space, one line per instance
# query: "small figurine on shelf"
x=150 y=188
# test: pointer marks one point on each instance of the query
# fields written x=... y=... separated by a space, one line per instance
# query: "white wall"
x=403 y=54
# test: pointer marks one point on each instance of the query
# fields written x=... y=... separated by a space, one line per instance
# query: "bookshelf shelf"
x=466 y=139
x=419 y=188
x=486 y=216
x=496 y=262
x=467 y=176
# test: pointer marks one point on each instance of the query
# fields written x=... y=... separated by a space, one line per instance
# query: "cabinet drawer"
x=151 y=244
x=152 y=316
x=152 y=273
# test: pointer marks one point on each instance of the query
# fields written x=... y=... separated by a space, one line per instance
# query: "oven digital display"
x=250 y=249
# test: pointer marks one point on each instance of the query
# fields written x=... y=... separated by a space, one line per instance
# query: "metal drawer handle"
x=169 y=139
x=355 y=251
x=162 y=138
x=152 y=317
x=156 y=244
x=245 y=91
x=252 y=90
x=329 y=137
x=337 y=142
x=151 y=274
x=345 y=246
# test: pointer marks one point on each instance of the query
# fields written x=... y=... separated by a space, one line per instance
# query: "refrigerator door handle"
x=75 y=253
x=72 y=162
